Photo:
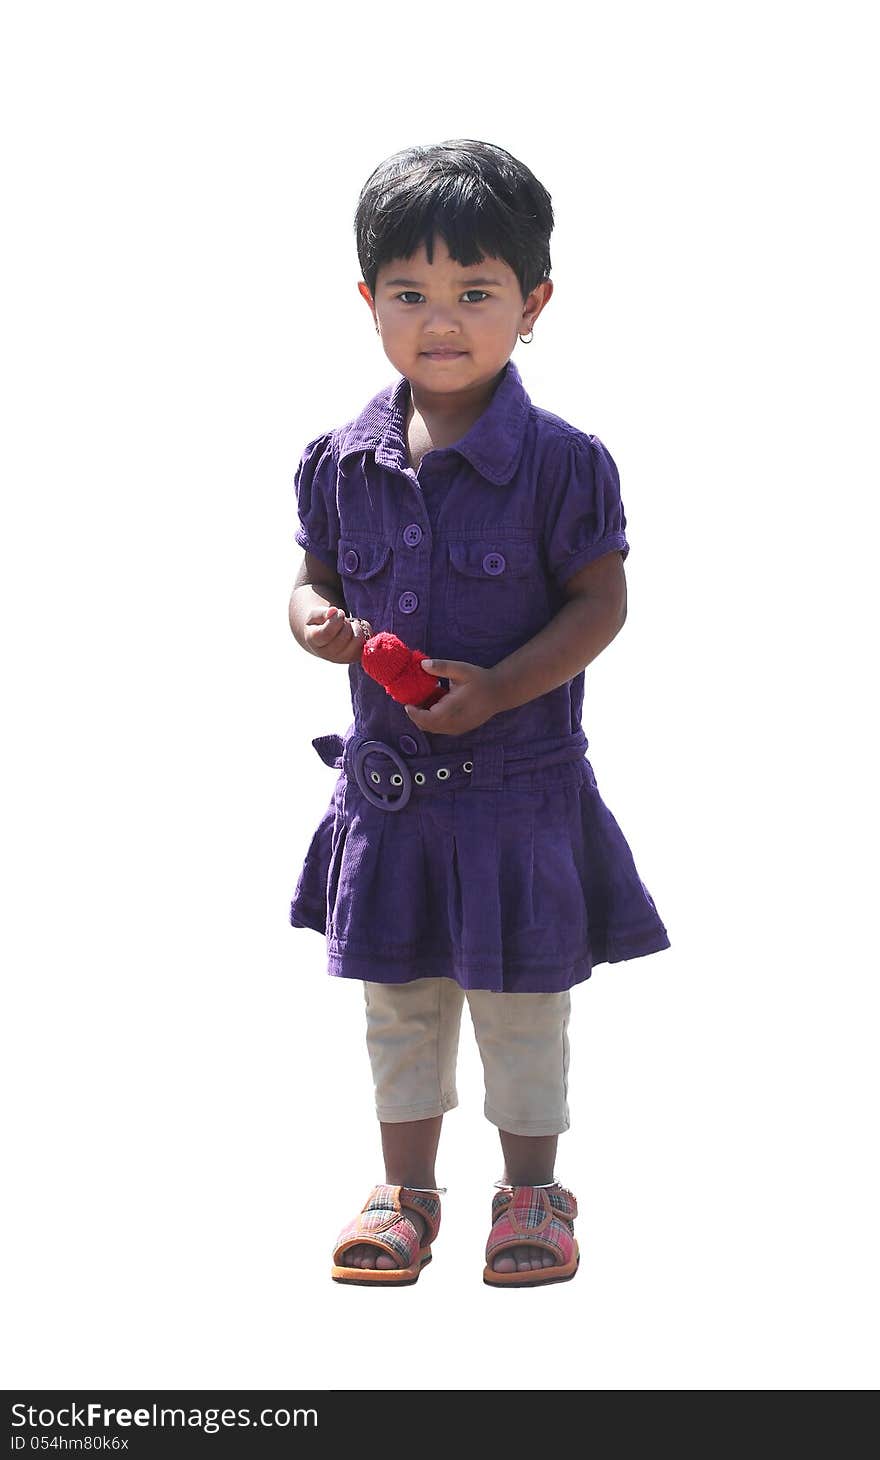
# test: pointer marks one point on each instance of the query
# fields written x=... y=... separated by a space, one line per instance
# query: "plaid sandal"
x=533 y=1216
x=383 y=1223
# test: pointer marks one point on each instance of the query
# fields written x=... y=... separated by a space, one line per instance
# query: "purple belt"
x=388 y=780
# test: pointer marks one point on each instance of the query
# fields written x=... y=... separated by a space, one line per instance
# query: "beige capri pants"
x=412 y=1039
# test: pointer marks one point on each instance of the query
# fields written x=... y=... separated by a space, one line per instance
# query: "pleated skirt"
x=522 y=889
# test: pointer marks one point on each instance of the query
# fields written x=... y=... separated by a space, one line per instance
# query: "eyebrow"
x=414 y=283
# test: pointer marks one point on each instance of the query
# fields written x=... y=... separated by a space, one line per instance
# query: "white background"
x=189 y=1109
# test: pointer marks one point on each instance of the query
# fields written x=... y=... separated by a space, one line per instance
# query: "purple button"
x=407 y=743
x=494 y=563
x=408 y=602
x=412 y=535
x=352 y=560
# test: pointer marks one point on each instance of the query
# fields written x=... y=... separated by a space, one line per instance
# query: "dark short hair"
x=478 y=197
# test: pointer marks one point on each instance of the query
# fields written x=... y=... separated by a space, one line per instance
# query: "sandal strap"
x=533 y=1216
x=563 y=1201
x=382 y=1221
x=426 y=1205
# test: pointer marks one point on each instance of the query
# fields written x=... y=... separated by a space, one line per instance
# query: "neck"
x=445 y=413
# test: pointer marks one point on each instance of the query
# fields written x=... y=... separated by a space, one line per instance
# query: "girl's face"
x=473 y=314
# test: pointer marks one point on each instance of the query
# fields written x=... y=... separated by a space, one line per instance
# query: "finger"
x=322 y=615
x=333 y=639
x=336 y=617
x=434 y=720
x=330 y=637
x=346 y=651
x=422 y=718
x=447 y=668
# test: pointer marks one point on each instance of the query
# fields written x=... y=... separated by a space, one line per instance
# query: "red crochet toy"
x=398 y=668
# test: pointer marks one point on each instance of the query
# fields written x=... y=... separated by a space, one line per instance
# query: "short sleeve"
x=585 y=516
x=315 y=486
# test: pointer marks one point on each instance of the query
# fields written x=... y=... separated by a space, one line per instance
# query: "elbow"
x=621 y=606
x=616 y=618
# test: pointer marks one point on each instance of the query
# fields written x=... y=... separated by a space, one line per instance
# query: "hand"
x=330 y=635
x=471 y=701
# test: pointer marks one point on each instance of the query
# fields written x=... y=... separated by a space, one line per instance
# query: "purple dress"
x=490 y=857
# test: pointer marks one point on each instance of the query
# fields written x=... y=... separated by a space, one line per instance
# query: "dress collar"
x=493 y=444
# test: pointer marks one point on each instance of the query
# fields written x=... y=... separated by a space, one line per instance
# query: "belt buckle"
x=373 y=796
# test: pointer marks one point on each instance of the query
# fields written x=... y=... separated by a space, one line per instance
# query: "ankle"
x=427 y=1184
x=527 y=1178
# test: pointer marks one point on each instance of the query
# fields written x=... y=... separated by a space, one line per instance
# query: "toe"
x=523 y=1259
x=370 y=1257
x=367 y=1255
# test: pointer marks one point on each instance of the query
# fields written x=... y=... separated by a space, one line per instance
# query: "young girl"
x=466 y=852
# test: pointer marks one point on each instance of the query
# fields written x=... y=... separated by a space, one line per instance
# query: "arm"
x=593 y=615
x=317 y=614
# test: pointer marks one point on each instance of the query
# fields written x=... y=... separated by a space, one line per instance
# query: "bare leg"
x=410 y=1150
x=528 y=1161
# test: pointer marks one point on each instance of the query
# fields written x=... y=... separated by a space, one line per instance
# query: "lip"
x=444 y=354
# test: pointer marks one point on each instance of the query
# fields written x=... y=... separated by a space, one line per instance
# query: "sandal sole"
x=381 y=1277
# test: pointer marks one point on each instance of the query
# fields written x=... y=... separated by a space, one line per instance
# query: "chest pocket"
x=496 y=590
x=366 y=572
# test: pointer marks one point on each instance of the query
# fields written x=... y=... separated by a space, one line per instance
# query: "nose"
x=441 y=322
